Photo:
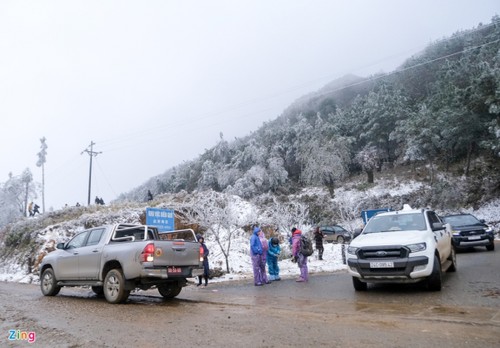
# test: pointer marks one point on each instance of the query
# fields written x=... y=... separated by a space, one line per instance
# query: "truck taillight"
x=201 y=254
x=148 y=253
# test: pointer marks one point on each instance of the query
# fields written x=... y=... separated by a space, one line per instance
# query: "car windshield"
x=399 y=222
x=461 y=220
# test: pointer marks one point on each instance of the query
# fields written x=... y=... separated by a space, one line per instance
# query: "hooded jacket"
x=255 y=244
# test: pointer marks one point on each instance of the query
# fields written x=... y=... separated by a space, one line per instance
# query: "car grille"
x=472 y=233
x=381 y=253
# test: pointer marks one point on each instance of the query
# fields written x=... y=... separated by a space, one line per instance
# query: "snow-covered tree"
x=222 y=215
x=368 y=159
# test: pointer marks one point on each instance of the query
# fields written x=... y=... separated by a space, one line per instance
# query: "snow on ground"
x=15 y=269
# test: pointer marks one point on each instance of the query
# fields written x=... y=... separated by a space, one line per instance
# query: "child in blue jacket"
x=272 y=258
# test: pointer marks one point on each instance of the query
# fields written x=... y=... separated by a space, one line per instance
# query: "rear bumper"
x=171 y=272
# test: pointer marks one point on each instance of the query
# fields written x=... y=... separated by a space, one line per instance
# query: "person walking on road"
x=298 y=257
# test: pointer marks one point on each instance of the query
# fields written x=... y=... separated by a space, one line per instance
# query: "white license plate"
x=385 y=264
x=474 y=237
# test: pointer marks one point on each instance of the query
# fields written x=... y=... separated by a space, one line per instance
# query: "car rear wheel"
x=48 y=283
x=341 y=239
x=359 y=285
x=169 y=290
x=114 y=287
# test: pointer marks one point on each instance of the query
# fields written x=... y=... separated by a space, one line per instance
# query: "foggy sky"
x=154 y=83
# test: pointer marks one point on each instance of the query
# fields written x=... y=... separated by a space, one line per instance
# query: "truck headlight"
x=417 y=247
x=455 y=233
x=352 y=250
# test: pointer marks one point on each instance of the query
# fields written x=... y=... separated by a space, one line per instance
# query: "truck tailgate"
x=176 y=253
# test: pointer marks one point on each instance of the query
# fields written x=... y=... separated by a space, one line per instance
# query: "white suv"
x=405 y=246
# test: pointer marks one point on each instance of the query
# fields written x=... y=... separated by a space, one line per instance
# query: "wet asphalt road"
x=324 y=312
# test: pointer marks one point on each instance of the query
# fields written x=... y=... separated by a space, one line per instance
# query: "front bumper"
x=472 y=241
x=404 y=269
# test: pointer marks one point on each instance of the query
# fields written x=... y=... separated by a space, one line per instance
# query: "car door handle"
x=95 y=251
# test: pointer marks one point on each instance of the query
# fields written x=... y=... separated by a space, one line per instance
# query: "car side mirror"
x=60 y=246
x=437 y=226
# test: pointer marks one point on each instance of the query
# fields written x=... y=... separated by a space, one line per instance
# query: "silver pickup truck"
x=115 y=259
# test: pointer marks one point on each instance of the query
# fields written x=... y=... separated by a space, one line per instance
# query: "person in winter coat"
x=272 y=258
x=35 y=209
x=301 y=259
x=206 y=268
x=263 y=258
x=318 y=238
x=30 y=209
x=256 y=255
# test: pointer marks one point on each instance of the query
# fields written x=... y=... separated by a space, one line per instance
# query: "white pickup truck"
x=115 y=259
x=405 y=246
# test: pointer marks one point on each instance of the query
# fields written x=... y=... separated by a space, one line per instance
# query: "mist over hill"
x=438 y=115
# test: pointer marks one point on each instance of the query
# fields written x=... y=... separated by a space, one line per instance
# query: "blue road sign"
x=163 y=219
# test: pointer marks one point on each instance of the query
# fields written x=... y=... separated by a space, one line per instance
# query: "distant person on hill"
x=30 y=209
x=150 y=196
x=35 y=209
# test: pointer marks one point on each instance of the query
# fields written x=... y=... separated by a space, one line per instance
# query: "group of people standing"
x=263 y=251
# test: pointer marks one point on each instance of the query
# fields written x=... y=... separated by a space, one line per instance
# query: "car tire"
x=340 y=239
x=359 y=285
x=48 y=283
x=114 y=287
x=434 y=282
x=491 y=247
x=169 y=290
x=453 y=259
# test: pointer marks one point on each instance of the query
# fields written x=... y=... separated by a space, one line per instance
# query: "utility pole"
x=91 y=153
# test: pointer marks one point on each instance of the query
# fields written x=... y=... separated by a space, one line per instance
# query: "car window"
x=77 y=241
x=399 y=222
x=95 y=236
x=461 y=220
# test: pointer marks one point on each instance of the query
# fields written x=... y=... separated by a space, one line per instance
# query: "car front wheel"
x=434 y=280
x=48 y=284
x=359 y=285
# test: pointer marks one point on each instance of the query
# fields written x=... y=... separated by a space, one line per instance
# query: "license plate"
x=474 y=237
x=385 y=264
x=174 y=270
